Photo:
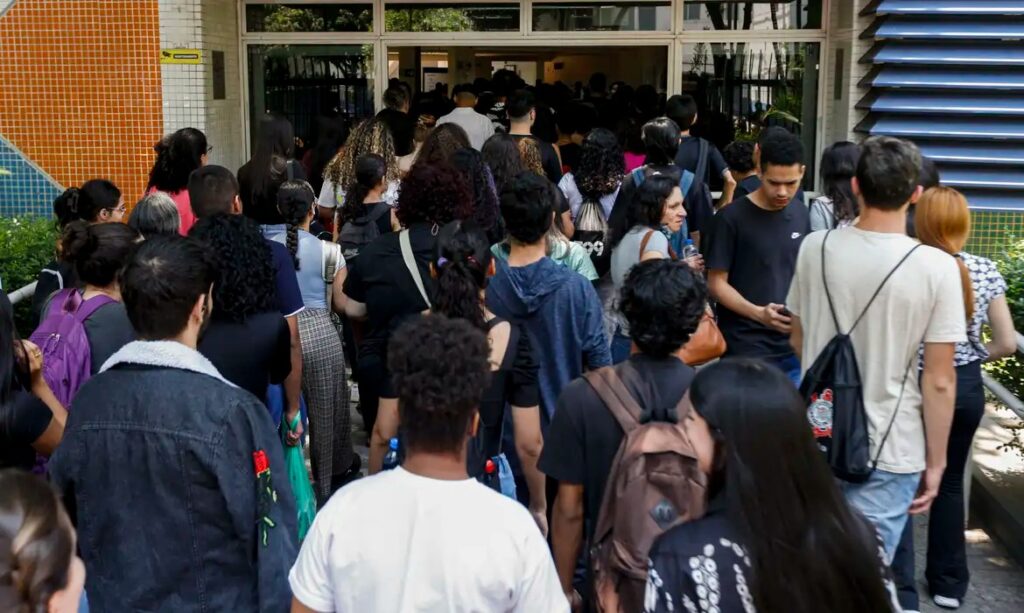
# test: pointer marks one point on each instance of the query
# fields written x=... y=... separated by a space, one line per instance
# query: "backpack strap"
x=613 y=393
x=647 y=237
x=702 y=160
x=638 y=176
x=410 y=263
x=686 y=182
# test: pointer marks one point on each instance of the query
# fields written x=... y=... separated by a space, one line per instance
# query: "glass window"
x=305 y=82
x=742 y=87
x=451 y=17
x=602 y=17
x=309 y=17
x=740 y=15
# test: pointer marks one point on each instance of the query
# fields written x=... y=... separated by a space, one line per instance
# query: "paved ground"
x=997 y=582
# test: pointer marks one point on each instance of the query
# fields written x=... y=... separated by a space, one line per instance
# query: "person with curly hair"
x=485 y=199
x=382 y=289
x=424 y=535
x=442 y=143
x=598 y=175
x=39 y=569
x=663 y=301
x=323 y=378
x=370 y=136
x=177 y=155
x=501 y=153
x=247 y=339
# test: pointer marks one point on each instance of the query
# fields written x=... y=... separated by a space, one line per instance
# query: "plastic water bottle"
x=689 y=249
x=391 y=457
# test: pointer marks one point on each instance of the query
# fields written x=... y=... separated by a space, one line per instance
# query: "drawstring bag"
x=590 y=233
x=295 y=464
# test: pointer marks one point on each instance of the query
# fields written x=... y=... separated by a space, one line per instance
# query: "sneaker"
x=946 y=602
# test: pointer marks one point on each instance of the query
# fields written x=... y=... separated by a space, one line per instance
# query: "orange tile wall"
x=80 y=88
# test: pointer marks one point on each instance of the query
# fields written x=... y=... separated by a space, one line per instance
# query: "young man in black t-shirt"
x=752 y=257
x=663 y=301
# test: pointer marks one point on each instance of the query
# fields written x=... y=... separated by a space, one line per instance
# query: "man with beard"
x=177 y=476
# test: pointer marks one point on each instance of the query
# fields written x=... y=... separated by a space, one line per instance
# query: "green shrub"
x=28 y=245
x=1010 y=372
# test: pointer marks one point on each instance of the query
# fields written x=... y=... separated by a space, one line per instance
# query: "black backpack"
x=360 y=232
x=835 y=399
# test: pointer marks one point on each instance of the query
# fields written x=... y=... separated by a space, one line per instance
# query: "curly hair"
x=294 y=201
x=177 y=155
x=485 y=199
x=434 y=194
x=663 y=301
x=462 y=257
x=440 y=370
x=502 y=156
x=530 y=152
x=37 y=543
x=370 y=136
x=601 y=166
x=442 y=143
x=245 y=279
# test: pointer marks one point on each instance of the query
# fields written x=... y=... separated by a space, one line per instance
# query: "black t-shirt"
x=688 y=155
x=548 y=158
x=380 y=279
x=253 y=353
x=758 y=249
x=584 y=436
x=54 y=277
x=108 y=329
x=402 y=127
x=22 y=422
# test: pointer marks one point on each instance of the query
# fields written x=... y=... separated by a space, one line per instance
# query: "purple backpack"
x=67 y=359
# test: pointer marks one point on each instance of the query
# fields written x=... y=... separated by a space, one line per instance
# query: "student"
x=177 y=155
x=921 y=302
x=324 y=384
x=370 y=136
x=682 y=109
x=943 y=221
x=442 y=143
x=777 y=535
x=927 y=179
x=225 y=486
x=477 y=127
x=559 y=308
x=598 y=175
x=380 y=287
x=424 y=126
x=156 y=214
x=213 y=190
x=424 y=536
x=271 y=165
x=31 y=418
x=501 y=153
x=837 y=207
x=396 y=117
x=486 y=213
x=522 y=112
x=97 y=254
x=246 y=339
x=39 y=570
x=663 y=302
x=97 y=201
x=753 y=255
x=739 y=156
x=750 y=184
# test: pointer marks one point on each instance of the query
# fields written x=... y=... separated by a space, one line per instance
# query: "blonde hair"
x=530 y=152
x=943 y=221
x=370 y=136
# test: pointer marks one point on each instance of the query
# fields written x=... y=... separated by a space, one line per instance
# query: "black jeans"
x=946 y=570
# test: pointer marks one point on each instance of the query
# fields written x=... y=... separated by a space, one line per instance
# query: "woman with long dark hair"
x=501 y=153
x=778 y=534
x=323 y=359
x=39 y=570
x=485 y=199
x=31 y=418
x=837 y=207
x=177 y=155
x=272 y=164
x=96 y=201
x=599 y=174
x=382 y=290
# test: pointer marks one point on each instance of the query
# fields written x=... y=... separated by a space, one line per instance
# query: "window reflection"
x=739 y=15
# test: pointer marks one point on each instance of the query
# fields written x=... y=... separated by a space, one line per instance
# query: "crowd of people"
x=588 y=383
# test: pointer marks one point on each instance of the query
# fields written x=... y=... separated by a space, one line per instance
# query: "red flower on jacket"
x=260 y=462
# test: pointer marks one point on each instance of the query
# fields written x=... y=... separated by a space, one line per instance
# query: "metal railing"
x=1002 y=394
x=21 y=294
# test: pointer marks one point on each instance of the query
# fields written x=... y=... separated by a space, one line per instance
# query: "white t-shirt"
x=401 y=542
x=331 y=196
x=922 y=302
x=478 y=127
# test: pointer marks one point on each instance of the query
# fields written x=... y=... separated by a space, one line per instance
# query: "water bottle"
x=689 y=249
x=391 y=457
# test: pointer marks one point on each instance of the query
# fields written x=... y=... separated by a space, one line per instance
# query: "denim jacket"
x=177 y=480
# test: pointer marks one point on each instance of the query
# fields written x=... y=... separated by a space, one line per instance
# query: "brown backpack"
x=654 y=485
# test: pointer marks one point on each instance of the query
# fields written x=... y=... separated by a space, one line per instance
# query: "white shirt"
x=575 y=198
x=400 y=542
x=331 y=196
x=922 y=303
x=478 y=127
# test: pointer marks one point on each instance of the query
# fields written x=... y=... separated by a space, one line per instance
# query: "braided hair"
x=295 y=199
x=371 y=136
x=462 y=259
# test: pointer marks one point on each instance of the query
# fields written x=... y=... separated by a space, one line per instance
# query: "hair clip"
x=441 y=261
x=472 y=260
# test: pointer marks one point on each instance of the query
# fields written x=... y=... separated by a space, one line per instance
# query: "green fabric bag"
x=295 y=463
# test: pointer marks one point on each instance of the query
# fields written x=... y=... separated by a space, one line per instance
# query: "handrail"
x=20 y=294
x=1002 y=394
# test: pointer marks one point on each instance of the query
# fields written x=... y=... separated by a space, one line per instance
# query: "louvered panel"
x=949 y=75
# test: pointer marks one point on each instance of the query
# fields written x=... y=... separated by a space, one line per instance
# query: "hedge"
x=28 y=245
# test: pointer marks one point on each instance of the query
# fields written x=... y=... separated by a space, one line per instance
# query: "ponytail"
x=85 y=203
x=461 y=264
x=295 y=199
x=943 y=221
x=368 y=172
x=966 y=286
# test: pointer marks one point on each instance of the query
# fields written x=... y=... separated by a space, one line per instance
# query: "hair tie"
x=441 y=261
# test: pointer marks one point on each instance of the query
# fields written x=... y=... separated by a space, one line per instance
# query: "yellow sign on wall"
x=181 y=56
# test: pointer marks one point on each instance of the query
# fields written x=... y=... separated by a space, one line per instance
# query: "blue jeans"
x=621 y=347
x=884 y=499
x=789 y=364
